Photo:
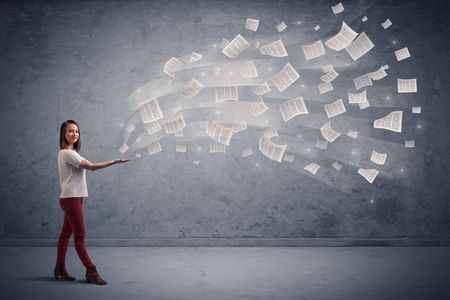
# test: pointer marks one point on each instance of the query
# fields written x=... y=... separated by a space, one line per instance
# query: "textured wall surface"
x=82 y=60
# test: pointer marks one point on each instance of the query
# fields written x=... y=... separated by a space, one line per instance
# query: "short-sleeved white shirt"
x=72 y=178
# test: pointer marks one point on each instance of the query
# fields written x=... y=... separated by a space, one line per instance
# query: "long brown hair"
x=62 y=136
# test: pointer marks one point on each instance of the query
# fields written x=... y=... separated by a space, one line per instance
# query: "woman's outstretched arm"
x=86 y=164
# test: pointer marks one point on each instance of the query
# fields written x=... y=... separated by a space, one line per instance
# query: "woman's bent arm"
x=86 y=164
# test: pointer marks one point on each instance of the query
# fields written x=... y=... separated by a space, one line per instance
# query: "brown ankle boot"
x=92 y=276
x=60 y=270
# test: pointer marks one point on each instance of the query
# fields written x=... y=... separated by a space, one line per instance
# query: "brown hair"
x=62 y=136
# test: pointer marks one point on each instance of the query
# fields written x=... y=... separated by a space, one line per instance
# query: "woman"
x=72 y=177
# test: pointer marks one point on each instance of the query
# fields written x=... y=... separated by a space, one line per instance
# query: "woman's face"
x=72 y=134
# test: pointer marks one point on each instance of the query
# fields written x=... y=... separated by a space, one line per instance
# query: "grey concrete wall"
x=86 y=61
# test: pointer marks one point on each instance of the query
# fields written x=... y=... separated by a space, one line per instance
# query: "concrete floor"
x=233 y=273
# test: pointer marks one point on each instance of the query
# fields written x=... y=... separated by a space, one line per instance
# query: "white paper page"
x=328 y=133
x=391 y=122
x=236 y=47
x=150 y=111
x=292 y=108
x=314 y=50
x=275 y=49
x=286 y=77
x=407 y=85
x=226 y=93
x=252 y=24
x=335 y=108
x=312 y=168
x=360 y=46
x=378 y=158
x=192 y=88
x=368 y=174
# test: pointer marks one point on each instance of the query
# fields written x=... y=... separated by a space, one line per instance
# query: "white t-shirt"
x=72 y=178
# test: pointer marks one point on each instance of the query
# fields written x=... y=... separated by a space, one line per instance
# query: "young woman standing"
x=72 y=177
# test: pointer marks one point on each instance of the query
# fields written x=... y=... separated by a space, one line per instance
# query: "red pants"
x=73 y=223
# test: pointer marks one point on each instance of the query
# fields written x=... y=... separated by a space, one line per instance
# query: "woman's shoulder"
x=68 y=152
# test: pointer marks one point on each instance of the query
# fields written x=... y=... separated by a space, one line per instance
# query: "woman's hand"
x=121 y=161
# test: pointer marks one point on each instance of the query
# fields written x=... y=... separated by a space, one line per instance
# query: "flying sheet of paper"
x=196 y=162
x=289 y=158
x=409 y=144
x=215 y=147
x=364 y=105
x=342 y=39
x=416 y=109
x=154 y=148
x=252 y=24
x=227 y=93
x=407 y=85
x=392 y=122
x=335 y=108
x=123 y=148
x=285 y=77
x=378 y=158
x=386 y=24
x=312 y=168
x=281 y=27
x=292 y=108
x=322 y=145
x=314 y=50
x=352 y=133
x=317 y=27
x=368 y=174
x=328 y=133
x=195 y=56
x=357 y=98
x=218 y=132
x=402 y=54
x=327 y=68
x=192 y=88
x=172 y=65
x=364 y=19
x=180 y=148
x=338 y=8
x=150 y=111
x=176 y=125
x=261 y=89
x=337 y=166
x=275 y=49
x=270 y=149
x=248 y=69
x=239 y=126
x=330 y=76
x=362 y=81
x=152 y=127
x=324 y=87
x=258 y=107
x=247 y=152
x=270 y=132
x=379 y=74
x=360 y=46
x=236 y=47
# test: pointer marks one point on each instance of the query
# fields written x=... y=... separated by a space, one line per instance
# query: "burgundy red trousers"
x=73 y=224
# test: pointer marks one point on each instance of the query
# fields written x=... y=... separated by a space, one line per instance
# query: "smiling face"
x=72 y=135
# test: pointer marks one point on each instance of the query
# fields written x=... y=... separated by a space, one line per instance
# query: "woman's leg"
x=63 y=241
x=73 y=209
